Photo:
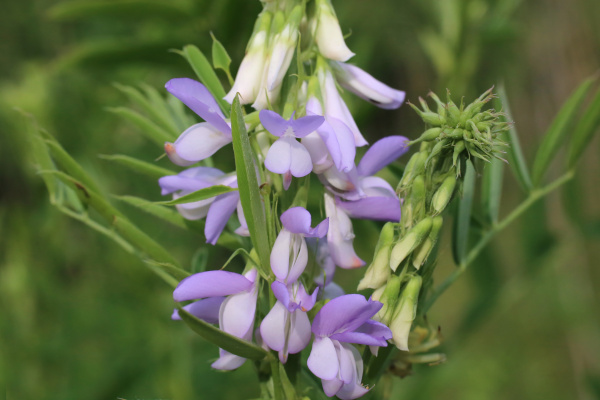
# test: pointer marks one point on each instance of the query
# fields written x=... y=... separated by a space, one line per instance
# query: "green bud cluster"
x=459 y=129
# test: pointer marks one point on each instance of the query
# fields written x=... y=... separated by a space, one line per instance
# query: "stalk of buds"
x=433 y=176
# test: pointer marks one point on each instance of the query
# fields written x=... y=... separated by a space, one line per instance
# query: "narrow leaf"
x=199 y=195
x=71 y=166
x=516 y=160
x=162 y=212
x=128 y=9
x=143 y=167
x=491 y=191
x=462 y=221
x=252 y=203
x=556 y=134
x=222 y=339
x=221 y=59
x=170 y=269
x=206 y=74
x=584 y=130
x=152 y=131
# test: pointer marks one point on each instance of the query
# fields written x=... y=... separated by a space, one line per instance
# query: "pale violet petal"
x=272 y=328
x=323 y=361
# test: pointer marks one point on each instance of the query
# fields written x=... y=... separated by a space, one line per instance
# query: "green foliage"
x=199 y=195
x=462 y=223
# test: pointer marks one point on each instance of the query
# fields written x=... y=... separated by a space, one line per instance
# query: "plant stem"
x=534 y=196
x=277 y=386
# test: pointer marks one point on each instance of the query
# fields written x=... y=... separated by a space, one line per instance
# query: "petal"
x=228 y=361
x=299 y=334
x=280 y=254
x=374 y=208
x=299 y=260
x=279 y=156
x=365 y=86
x=218 y=215
x=281 y=292
x=193 y=211
x=382 y=153
x=200 y=141
x=210 y=284
x=374 y=186
x=344 y=314
x=300 y=163
x=296 y=220
x=346 y=144
x=174 y=157
x=273 y=122
x=272 y=328
x=319 y=153
x=243 y=229
x=237 y=313
x=306 y=301
x=340 y=237
x=248 y=77
x=347 y=365
x=305 y=125
x=323 y=361
x=189 y=180
x=333 y=290
x=199 y=99
x=354 y=389
x=206 y=309
x=331 y=387
x=320 y=230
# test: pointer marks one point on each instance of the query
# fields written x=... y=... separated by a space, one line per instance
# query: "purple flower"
x=340 y=236
x=365 y=86
x=200 y=140
x=329 y=289
x=344 y=320
x=235 y=311
x=286 y=327
x=217 y=210
x=289 y=255
x=286 y=156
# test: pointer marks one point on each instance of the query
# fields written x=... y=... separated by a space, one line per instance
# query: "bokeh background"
x=83 y=319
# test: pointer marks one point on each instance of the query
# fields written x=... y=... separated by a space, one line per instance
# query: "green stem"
x=534 y=196
x=277 y=386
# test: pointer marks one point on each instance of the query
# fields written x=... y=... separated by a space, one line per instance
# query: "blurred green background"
x=83 y=319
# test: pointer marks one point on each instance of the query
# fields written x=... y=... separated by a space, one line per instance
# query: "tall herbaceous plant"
x=282 y=120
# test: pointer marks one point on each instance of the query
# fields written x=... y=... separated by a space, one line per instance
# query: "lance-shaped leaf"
x=66 y=162
x=129 y=9
x=584 y=130
x=462 y=222
x=152 y=131
x=221 y=59
x=198 y=195
x=206 y=74
x=155 y=107
x=491 y=189
x=516 y=160
x=143 y=167
x=252 y=204
x=556 y=134
x=227 y=342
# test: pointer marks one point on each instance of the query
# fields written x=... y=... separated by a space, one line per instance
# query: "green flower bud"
x=389 y=297
x=378 y=272
x=409 y=242
x=429 y=134
x=405 y=312
x=418 y=194
x=442 y=196
x=422 y=252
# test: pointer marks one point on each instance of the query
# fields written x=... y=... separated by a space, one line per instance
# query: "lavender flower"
x=204 y=139
x=289 y=255
x=286 y=156
x=235 y=312
x=217 y=210
x=340 y=236
x=328 y=34
x=344 y=320
x=286 y=328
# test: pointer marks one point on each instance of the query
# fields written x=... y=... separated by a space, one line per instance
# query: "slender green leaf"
x=143 y=167
x=199 y=195
x=556 y=134
x=462 y=222
x=170 y=269
x=516 y=160
x=206 y=74
x=222 y=339
x=221 y=59
x=491 y=191
x=152 y=131
x=162 y=212
x=71 y=166
x=584 y=130
x=252 y=203
x=158 y=112
x=129 y=9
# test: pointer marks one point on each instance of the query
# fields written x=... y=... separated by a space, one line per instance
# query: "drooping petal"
x=190 y=180
x=347 y=366
x=195 y=210
x=381 y=153
x=319 y=152
x=243 y=229
x=280 y=254
x=331 y=387
x=299 y=334
x=199 y=99
x=205 y=309
x=236 y=315
x=365 y=86
x=374 y=208
x=354 y=389
x=272 y=328
x=198 y=142
x=343 y=314
x=299 y=260
x=340 y=237
x=228 y=361
x=282 y=293
x=323 y=361
x=218 y=215
x=211 y=284
x=279 y=156
x=301 y=163
x=345 y=140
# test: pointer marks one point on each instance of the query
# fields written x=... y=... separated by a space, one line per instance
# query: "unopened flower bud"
x=389 y=297
x=284 y=44
x=409 y=242
x=414 y=167
x=422 y=252
x=405 y=312
x=328 y=35
x=418 y=194
x=442 y=196
x=429 y=134
x=378 y=272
